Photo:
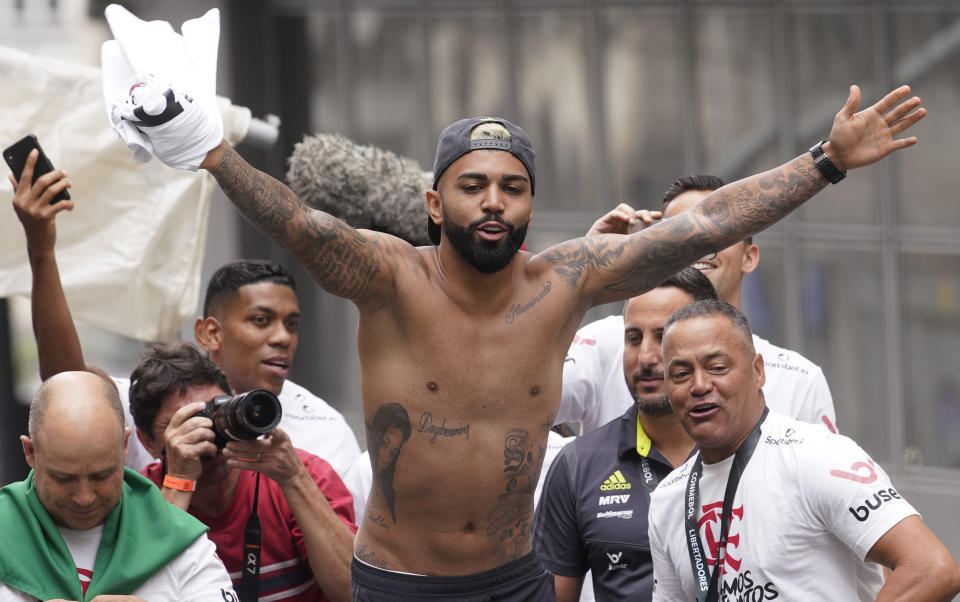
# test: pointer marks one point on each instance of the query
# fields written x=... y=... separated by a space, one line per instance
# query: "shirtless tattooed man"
x=462 y=343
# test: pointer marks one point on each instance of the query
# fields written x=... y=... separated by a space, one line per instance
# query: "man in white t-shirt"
x=771 y=507
x=84 y=526
x=249 y=329
x=594 y=391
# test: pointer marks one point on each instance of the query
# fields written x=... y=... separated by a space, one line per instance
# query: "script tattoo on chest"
x=516 y=309
x=433 y=430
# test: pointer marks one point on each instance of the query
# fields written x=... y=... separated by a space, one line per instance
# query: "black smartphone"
x=16 y=157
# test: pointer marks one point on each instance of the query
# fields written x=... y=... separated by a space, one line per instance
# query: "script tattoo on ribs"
x=367 y=555
x=377 y=519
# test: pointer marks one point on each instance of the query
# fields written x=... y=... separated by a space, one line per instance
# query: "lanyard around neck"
x=707 y=583
x=250 y=579
x=644 y=445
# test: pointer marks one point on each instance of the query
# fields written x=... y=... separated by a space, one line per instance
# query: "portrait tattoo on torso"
x=387 y=432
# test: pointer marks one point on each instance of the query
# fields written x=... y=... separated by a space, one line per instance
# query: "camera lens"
x=259 y=411
x=243 y=417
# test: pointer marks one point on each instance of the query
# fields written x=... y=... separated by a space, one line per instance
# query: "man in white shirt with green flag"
x=86 y=527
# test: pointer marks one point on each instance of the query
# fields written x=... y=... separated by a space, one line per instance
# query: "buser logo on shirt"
x=862 y=513
x=614 y=482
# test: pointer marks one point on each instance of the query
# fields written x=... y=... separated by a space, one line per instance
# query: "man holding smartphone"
x=321 y=501
x=249 y=326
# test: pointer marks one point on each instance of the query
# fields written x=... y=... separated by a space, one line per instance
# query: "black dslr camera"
x=242 y=417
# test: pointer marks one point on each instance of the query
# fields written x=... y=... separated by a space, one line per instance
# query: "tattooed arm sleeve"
x=344 y=261
x=612 y=267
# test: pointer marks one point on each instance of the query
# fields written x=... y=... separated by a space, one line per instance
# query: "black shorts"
x=523 y=579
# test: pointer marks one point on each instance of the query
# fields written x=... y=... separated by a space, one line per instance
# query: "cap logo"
x=490 y=134
x=493 y=143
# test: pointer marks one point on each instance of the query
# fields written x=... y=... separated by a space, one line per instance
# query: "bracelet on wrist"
x=824 y=165
x=179 y=484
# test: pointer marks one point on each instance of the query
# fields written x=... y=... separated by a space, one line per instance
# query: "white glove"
x=186 y=65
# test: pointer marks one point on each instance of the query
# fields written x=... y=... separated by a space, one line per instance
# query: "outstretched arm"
x=611 y=267
x=355 y=264
x=58 y=346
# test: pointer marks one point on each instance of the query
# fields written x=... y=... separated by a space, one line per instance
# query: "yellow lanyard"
x=643 y=441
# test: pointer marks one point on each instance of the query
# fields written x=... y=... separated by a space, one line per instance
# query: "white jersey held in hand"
x=175 y=126
x=160 y=86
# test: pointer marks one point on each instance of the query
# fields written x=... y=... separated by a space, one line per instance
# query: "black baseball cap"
x=467 y=135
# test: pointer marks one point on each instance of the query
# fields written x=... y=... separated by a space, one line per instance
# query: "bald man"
x=78 y=525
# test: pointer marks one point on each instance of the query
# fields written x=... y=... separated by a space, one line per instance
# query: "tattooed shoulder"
x=571 y=259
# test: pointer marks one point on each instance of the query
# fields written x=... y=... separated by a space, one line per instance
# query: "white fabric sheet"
x=130 y=252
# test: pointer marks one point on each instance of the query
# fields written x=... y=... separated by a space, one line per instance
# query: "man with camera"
x=304 y=512
x=306 y=538
x=249 y=327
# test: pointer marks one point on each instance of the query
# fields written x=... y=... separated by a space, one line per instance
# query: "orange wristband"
x=179 y=484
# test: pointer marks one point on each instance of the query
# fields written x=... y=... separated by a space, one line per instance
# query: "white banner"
x=130 y=252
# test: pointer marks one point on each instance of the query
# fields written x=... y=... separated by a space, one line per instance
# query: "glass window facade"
x=622 y=97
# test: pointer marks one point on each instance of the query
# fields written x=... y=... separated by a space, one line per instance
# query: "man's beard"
x=651 y=405
x=654 y=406
x=485 y=256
